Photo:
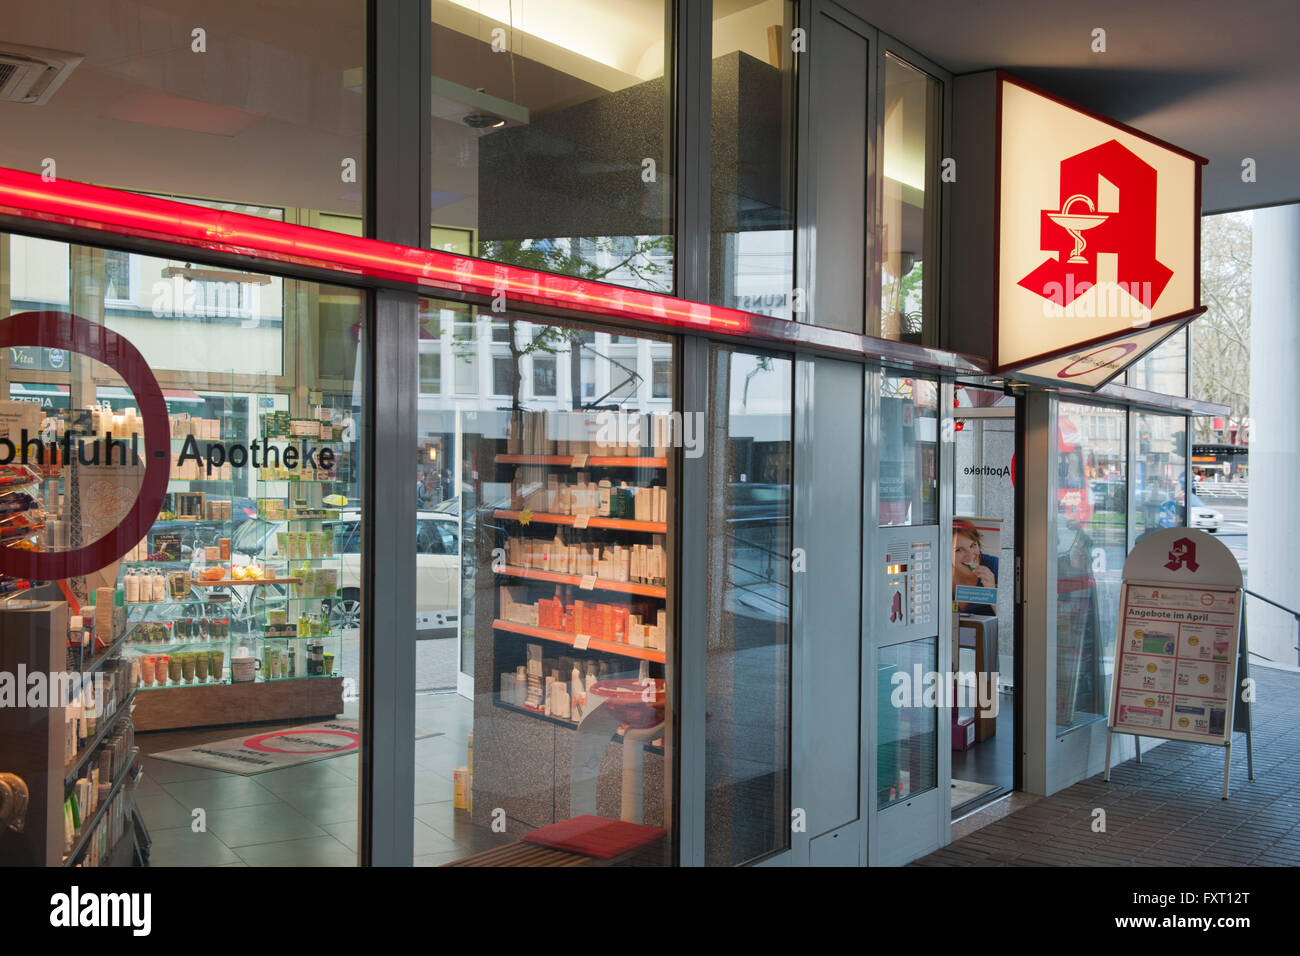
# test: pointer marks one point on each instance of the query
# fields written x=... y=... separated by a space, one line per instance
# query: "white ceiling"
x=1218 y=77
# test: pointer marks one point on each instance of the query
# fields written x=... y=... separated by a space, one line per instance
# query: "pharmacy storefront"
x=406 y=459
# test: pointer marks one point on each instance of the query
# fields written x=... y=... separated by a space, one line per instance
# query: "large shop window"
x=245 y=101
x=747 y=729
x=909 y=221
x=552 y=144
x=550 y=487
x=238 y=600
x=752 y=158
x=1091 y=529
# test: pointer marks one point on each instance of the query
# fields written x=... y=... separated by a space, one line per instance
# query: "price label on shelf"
x=581 y=521
x=588 y=582
x=579 y=461
x=581 y=641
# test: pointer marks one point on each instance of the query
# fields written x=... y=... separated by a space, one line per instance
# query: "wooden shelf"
x=564 y=461
x=625 y=524
x=624 y=587
x=563 y=637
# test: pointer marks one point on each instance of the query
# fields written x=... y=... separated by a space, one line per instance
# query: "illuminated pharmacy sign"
x=1098 y=240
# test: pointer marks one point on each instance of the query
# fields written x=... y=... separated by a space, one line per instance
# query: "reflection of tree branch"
x=1221 y=338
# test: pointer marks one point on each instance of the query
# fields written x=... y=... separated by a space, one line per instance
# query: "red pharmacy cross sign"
x=1183 y=554
x=1080 y=228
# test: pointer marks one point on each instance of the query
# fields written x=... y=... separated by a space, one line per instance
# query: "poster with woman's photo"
x=976 y=546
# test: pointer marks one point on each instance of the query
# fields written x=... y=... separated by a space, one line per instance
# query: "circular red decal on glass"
x=63 y=330
x=1120 y=349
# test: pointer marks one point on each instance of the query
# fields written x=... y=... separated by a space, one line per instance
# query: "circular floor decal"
x=304 y=742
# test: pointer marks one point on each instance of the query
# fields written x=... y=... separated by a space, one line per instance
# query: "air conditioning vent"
x=30 y=74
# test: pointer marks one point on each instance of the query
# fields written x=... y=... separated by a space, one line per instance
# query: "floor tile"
x=320 y=773
x=323 y=805
x=316 y=851
x=219 y=794
x=181 y=846
x=263 y=823
x=162 y=811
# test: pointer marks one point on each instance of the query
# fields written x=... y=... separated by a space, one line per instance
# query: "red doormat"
x=595 y=836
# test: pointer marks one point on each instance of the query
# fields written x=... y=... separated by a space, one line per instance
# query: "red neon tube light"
x=122 y=213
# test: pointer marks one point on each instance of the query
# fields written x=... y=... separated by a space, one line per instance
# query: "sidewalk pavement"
x=1168 y=810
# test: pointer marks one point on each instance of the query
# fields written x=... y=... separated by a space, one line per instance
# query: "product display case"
x=240 y=600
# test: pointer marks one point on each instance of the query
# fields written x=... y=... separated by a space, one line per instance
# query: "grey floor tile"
x=348 y=765
x=429 y=840
x=162 y=811
x=263 y=823
x=315 y=851
x=180 y=846
x=320 y=773
x=441 y=815
x=345 y=833
x=322 y=805
x=219 y=794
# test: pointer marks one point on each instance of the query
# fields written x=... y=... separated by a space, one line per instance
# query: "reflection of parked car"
x=437 y=564
x=1203 y=516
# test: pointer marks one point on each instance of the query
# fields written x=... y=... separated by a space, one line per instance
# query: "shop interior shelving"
x=512 y=636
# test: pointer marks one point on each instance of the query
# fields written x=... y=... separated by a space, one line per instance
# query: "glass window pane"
x=272 y=107
x=240 y=593
x=533 y=153
x=544 y=377
x=431 y=372
x=907 y=730
x=1092 y=528
x=752 y=158
x=503 y=375
x=909 y=234
x=1164 y=369
x=547 y=557
x=747 y=733
x=1160 y=473
x=662 y=370
x=909 y=450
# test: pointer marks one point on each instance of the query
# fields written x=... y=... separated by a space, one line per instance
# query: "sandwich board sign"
x=1179 y=650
